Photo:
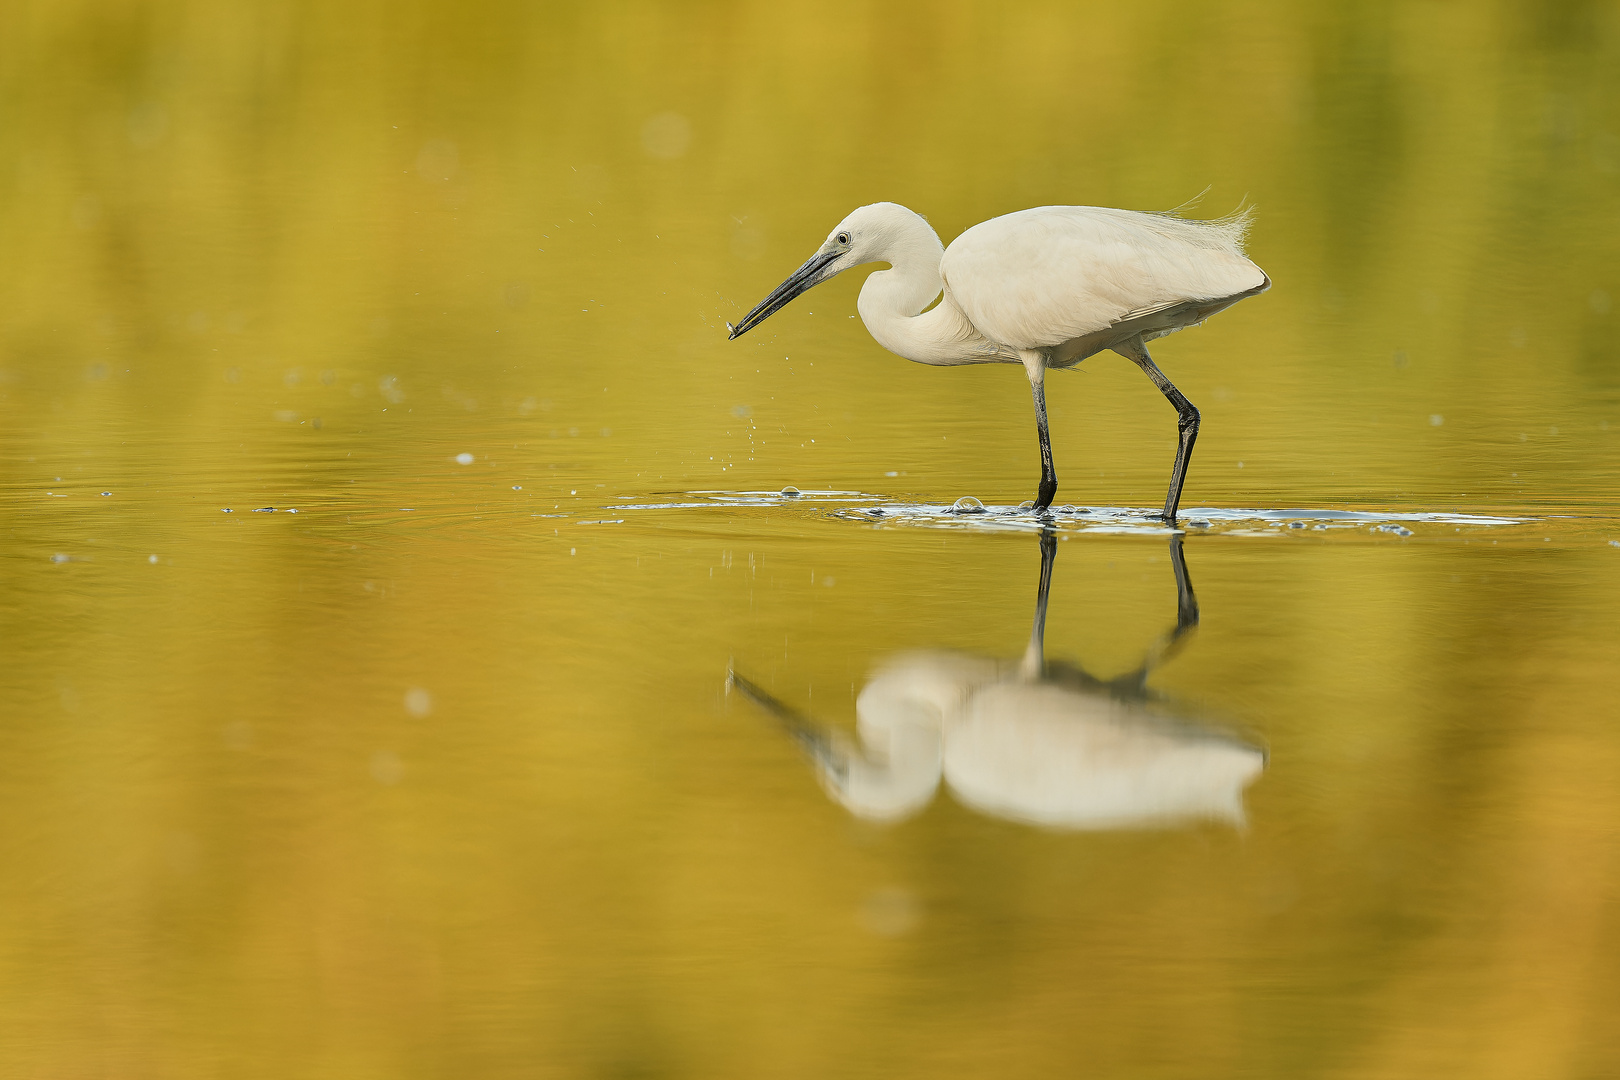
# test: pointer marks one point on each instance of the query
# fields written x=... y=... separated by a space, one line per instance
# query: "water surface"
x=387 y=523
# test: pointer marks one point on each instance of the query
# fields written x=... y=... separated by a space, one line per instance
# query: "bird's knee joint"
x=1188 y=419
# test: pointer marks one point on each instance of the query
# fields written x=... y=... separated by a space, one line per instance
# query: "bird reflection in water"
x=1029 y=740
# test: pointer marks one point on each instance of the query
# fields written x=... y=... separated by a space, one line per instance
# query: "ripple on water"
x=968 y=514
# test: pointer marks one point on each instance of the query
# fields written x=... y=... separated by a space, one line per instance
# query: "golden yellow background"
x=418 y=783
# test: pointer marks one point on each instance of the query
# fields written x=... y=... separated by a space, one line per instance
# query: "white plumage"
x=1044 y=288
x=1044 y=277
x=1025 y=740
x=1030 y=750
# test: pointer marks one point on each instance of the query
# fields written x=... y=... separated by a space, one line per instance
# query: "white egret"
x=1027 y=740
x=1044 y=288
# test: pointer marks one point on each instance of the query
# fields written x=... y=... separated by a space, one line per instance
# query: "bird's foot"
x=1043 y=499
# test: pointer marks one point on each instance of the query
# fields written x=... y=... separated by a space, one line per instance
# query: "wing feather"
x=1041 y=277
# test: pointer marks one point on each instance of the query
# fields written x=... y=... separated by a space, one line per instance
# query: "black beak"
x=803 y=278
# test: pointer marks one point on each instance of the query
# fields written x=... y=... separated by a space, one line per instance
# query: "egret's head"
x=873 y=233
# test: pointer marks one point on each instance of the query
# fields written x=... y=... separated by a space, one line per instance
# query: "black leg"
x=1172 y=641
x=1186 y=601
x=1048 y=488
x=1034 y=666
x=1186 y=422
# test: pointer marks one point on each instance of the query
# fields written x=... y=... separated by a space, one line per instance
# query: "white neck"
x=892 y=301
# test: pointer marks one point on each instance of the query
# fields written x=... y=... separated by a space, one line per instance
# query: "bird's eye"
x=843 y=238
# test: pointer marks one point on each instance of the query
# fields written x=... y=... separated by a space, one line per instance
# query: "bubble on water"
x=386 y=768
x=418 y=702
x=666 y=136
x=1198 y=523
x=891 y=474
x=464 y=459
x=791 y=492
x=876 y=511
x=225 y=510
x=967 y=504
x=146 y=124
x=265 y=510
x=438 y=160
x=1398 y=530
x=104 y=494
x=889 y=912
x=1027 y=504
x=1296 y=524
x=1319 y=525
x=1614 y=543
x=59 y=557
x=151 y=558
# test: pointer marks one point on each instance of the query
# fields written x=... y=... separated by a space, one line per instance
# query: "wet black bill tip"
x=802 y=279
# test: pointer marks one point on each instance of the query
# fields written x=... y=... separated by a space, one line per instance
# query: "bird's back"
x=1051 y=755
x=1052 y=275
